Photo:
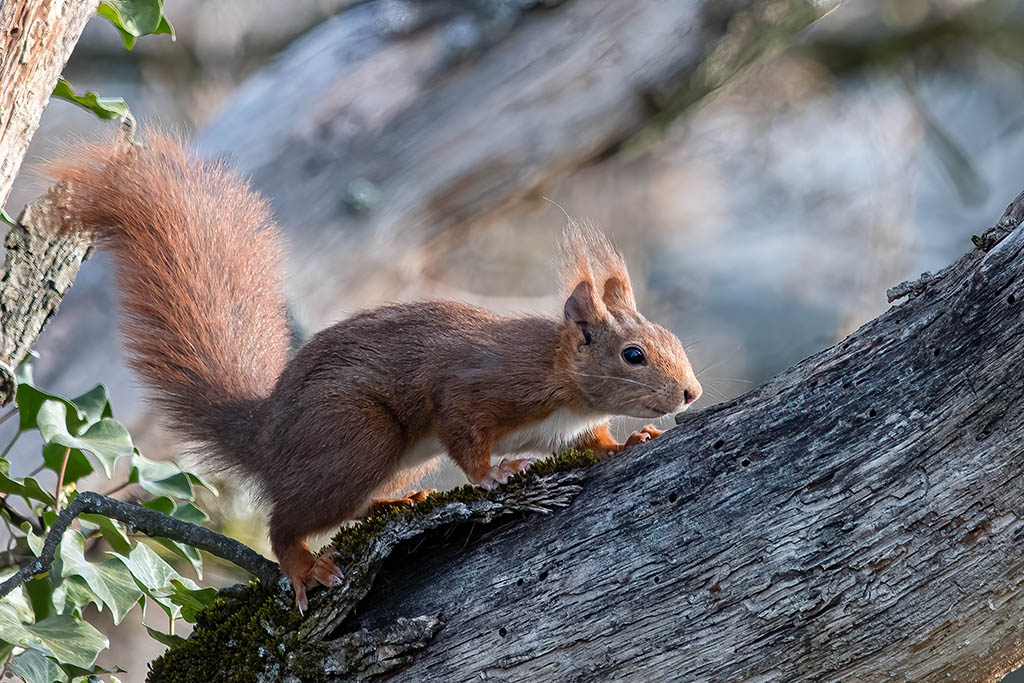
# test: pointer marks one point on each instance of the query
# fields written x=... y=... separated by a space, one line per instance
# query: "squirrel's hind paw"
x=506 y=469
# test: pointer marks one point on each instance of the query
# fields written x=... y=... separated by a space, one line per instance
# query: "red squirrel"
x=368 y=403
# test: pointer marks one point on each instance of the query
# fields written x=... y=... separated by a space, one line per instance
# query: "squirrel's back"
x=197 y=259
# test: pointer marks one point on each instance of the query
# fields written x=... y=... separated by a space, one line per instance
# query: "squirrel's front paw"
x=500 y=474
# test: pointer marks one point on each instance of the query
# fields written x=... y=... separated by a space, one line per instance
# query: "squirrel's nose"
x=692 y=393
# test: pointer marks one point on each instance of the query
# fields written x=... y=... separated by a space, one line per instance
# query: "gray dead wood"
x=37 y=271
x=858 y=518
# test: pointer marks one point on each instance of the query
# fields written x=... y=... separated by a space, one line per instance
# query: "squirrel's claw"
x=325 y=572
x=382 y=504
x=506 y=469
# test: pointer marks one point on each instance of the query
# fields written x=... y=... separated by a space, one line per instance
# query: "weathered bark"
x=36 y=39
x=858 y=518
x=38 y=270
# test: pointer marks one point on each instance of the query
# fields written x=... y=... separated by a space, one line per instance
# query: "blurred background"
x=769 y=170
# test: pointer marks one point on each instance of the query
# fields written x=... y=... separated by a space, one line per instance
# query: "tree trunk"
x=36 y=39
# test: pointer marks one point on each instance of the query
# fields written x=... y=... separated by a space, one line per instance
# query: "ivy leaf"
x=134 y=18
x=31 y=398
x=188 y=512
x=185 y=552
x=12 y=630
x=111 y=530
x=35 y=667
x=154 y=576
x=191 y=600
x=103 y=107
x=106 y=439
x=27 y=487
x=161 y=478
x=68 y=639
x=161 y=504
x=168 y=639
x=110 y=581
x=78 y=463
x=95 y=403
x=6 y=218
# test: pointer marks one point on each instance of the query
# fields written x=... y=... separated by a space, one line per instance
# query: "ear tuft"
x=588 y=256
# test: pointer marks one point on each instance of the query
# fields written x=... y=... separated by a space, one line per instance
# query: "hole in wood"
x=519 y=582
x=1011 y=299
x=872 y=412
x=745 y=462
x=672 y=497
x=502 y=631
x=936 y=351
x=718 y=444
x=657 y=579
x=543 y=575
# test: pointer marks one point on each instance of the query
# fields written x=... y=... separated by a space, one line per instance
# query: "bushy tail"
x=197 y=257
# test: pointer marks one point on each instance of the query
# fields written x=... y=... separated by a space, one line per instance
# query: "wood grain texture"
x=36 y=39
x=38 y=270
x=858 y=518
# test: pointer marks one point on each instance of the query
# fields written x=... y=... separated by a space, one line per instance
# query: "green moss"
x=235 y=640
x=252 y=631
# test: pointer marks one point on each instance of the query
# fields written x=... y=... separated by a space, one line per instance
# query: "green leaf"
x=168 y=639
x=106 y=439
x=111 y=530
x=103 y=107
x=31 y=398
x=40 y=596
x=199 y=481
x=160 y=504
x=110 y=581
x=192 y=600
x=69 y=640
x=27 y=487
x=188 y=512
x=6 y=218
x=95 y=403
x=78 y=463
x=35 y=667
x=161 y=478
x=154 y=576
x=134 y=18
x=185 y=552
x=12 y=616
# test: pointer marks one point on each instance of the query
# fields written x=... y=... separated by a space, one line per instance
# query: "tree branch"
x=151 y=523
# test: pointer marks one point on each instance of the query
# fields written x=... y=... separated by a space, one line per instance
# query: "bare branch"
x=151 y=523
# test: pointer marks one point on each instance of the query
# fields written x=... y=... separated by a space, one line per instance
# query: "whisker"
x=624 y=379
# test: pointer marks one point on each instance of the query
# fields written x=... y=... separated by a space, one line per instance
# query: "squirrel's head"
x=622 y=363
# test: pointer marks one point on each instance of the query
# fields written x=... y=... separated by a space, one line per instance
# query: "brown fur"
x=197 y=259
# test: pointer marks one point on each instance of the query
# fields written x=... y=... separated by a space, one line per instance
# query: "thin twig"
x=60 y=480
x=10 y=446
x=151 y=523
x=8 y=415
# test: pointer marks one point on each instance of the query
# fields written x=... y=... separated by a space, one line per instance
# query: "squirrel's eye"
x=633 y=355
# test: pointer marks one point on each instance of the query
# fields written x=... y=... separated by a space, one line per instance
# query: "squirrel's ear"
x=581 y=307
x=618 y=295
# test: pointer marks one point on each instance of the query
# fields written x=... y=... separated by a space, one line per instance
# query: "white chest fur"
x=558 y=430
